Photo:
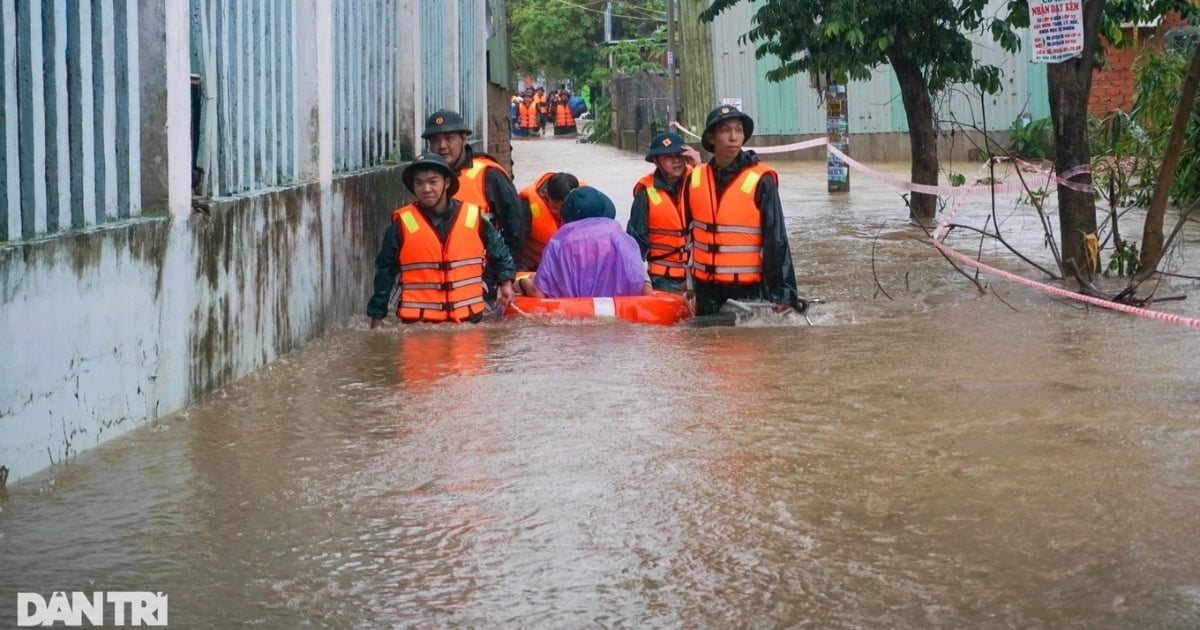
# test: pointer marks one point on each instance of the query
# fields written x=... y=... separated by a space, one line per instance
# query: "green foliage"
x=553 y=39
x=1159 y=75
x=1033 y=140
x=565 y=39
x=852 y=37
x=601 y=127
x=1119 y=149
x=1123 y=261
x=957 y=179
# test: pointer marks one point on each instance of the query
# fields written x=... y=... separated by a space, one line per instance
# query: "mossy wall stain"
x=255 y=253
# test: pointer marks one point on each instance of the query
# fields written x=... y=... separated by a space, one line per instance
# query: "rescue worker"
x=514 y=119
x=482 y=181
x=543 y=108
x=739 y=243
x=436 y=251
x=560 y=113
x=543 y=199
x=590 y=256
x=527 y=113
x=656 y=219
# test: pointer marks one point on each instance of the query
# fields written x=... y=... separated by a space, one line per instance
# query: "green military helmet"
x=665 y=143
x=586 y=202
x=721 y=114
x=425 y=162
x=444 y=121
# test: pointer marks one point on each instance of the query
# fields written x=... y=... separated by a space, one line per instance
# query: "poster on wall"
x=1057 y=29
x=736 y=102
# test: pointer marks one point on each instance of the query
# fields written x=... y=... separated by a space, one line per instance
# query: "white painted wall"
x=103 y=331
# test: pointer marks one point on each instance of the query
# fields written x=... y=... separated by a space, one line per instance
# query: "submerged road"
x=923 y=456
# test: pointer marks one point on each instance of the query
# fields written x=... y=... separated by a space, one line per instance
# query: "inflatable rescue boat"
x=661 y=307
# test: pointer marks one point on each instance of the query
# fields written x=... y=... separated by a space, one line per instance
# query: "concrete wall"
x=110 y=327
x=123 y=325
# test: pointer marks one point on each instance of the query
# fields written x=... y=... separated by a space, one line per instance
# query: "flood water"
x=936 y=458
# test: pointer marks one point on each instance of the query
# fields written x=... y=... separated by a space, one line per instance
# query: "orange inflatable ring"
x=662 y=307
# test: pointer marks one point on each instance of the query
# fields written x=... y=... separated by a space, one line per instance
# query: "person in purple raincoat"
x=590 y=255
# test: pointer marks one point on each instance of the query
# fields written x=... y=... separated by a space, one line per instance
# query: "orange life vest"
x=540 y=100
x=528 y=115
x=471 y=184
x=726 y=233
x=667 y=230
x=542 y=224
x=440 y=282
x=562 y=115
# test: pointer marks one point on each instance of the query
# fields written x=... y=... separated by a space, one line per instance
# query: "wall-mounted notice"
x=1057 y=27
x=837 y=131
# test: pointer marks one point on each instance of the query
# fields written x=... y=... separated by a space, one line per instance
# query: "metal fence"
x=365 y=48
x=70 y=120
x=243 y=60
x=640 y=104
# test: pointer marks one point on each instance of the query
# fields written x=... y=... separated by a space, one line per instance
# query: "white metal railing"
x=244 y=53
x=70 y=147
x=365 y=113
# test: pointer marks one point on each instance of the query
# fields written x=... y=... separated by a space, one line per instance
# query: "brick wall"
x=1113 y=86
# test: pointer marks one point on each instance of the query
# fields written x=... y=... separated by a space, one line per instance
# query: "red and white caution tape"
x=961 y=193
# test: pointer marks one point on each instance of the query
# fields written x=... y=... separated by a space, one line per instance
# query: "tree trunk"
x=1070 y=83
x=1152 y=235
x=918 y=108
x=695 y=63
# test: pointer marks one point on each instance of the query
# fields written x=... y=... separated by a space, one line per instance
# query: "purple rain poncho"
x=591 y=257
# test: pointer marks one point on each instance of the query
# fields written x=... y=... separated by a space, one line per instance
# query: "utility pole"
x=673 y=106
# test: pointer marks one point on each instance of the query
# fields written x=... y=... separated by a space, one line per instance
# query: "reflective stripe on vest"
x=440 y=281
x=562 y=115
x=666 y=232
x=726 y=233
x=472 y=184
x=528 y=115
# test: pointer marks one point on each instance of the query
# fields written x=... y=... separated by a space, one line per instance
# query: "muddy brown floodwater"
x=938 y=459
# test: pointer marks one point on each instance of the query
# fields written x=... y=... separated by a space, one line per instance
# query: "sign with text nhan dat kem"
x=1057 y=27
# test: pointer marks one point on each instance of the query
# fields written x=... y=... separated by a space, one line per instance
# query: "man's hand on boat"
x=505 y=293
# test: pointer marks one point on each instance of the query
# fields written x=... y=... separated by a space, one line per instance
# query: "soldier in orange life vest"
x=482 y=181
x=656 y=219
x=436 y=251
x=543 y=199
x=560 y=112
x=739 y=242
x=527 y=114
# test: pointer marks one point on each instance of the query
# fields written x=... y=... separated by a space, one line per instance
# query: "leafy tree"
x=1069 y=85
x=565 y=38
x=923 y=40
x=1179 y=148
